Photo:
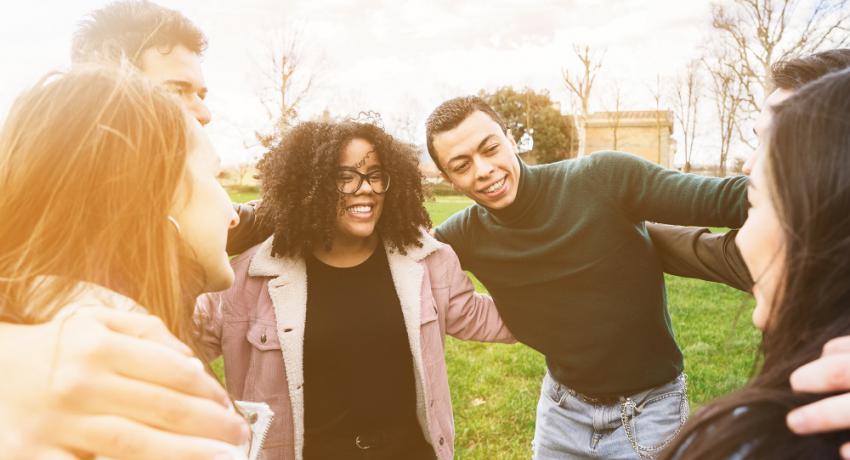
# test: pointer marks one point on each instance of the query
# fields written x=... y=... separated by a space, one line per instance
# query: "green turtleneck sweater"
x=574 y=273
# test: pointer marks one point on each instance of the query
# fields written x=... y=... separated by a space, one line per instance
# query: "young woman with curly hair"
x=338 y=320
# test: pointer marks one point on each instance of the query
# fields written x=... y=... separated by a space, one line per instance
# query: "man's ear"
x=512 y=141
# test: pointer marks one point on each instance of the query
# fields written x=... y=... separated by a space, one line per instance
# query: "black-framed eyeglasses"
x=349 y=181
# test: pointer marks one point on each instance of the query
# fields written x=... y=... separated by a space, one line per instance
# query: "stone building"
x=646 y=133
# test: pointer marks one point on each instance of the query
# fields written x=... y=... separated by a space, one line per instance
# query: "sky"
x=399 y=58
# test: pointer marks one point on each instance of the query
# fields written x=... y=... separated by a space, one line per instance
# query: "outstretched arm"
x=647 y=192
x=697 y=253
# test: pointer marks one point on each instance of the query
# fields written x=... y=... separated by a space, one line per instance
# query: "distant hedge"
x=441 y=189
x=243 y=188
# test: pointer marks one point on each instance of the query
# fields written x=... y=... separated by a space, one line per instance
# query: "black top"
x=358 y=368
x=573 y=271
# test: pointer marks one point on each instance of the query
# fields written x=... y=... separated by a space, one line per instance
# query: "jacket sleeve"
x=698 y=253
x=248 y=233
x=208 y=324
x=470 y=315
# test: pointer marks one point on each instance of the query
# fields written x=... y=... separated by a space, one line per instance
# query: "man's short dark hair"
x=124 y=29
x=793 y=73
x=450 y=114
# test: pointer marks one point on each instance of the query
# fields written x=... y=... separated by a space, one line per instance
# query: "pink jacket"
x=258 y=325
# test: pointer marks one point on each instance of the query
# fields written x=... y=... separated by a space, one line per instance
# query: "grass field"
x=495 y=387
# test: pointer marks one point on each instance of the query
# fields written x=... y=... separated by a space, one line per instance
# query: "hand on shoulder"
x=109 y=383
x=828 y=374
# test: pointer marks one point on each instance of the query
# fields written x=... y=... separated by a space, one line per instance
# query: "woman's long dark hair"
x=808 y=175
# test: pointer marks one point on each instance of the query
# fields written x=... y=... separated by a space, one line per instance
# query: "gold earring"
x=174 y=221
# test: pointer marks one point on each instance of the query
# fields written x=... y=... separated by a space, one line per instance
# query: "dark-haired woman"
x=338 y=320
x=796 y=243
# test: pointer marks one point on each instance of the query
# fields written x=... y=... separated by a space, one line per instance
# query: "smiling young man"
x=564 y=250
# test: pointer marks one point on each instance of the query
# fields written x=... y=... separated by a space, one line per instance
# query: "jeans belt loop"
x=601 y=401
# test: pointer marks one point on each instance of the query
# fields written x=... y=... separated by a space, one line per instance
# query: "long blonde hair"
x=90 y=162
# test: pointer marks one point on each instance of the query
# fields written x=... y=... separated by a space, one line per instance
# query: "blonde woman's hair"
x=90 y=161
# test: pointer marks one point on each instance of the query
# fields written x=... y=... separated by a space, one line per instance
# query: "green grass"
x=241 y=197
x=495 y=387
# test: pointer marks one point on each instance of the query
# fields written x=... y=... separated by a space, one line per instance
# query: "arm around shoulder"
x=469 y=315
x=108 y=383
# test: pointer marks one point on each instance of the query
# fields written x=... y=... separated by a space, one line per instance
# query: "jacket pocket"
x=263 y=336
x=265 y=376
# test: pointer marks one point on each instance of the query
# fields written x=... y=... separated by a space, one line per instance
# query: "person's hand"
x=827 y=374
x=109 y=383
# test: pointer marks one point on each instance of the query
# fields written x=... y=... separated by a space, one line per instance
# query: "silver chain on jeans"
x=628 y=409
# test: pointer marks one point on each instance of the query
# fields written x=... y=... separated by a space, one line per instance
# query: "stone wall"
x=640 y=133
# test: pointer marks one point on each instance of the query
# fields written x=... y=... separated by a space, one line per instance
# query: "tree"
x=407 y=124
x=729 y=95
x=580 y=86
x=615 y=115
x=534 y=110
x=288 y=82
x=758 y=33
x=244 y=170
x=657 y=93
x=687 y=93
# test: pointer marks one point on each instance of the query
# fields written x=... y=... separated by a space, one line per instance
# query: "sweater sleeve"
x=649 y=192
x=697 y=253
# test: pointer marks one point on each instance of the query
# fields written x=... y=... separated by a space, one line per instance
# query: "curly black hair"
x=299 y=194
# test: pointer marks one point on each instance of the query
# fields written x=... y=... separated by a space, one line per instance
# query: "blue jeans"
x=637 y=427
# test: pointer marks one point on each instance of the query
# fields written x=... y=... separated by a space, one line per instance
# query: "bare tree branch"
x=687 y=94
x=728 y=96
x=288 y=82
x=580 y=86
x=762 y=32
x=615 y=113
